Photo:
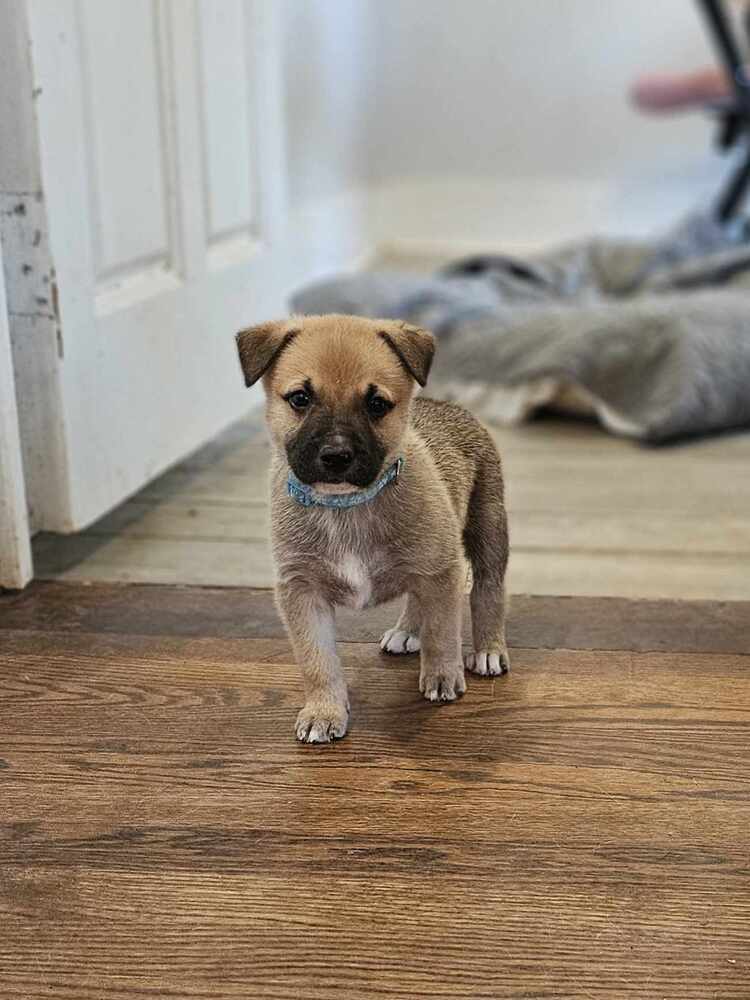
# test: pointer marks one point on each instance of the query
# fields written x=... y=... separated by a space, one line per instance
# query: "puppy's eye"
x=377 y=406
x=299 y=400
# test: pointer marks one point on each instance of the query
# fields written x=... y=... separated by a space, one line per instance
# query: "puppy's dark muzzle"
x=336 y=459
x=322 y=453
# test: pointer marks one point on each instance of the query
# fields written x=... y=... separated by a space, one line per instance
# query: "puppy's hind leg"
x=486 y=543
x=404 y=636
x=441 y=673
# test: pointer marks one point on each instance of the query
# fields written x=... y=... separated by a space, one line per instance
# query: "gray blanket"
x=654 y=339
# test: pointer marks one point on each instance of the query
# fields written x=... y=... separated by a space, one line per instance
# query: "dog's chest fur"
x=356 y=575
x=360 y=568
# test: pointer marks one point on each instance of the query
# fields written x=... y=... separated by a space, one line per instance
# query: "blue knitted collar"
x=307 y=496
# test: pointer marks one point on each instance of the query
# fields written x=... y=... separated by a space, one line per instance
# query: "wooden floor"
x=580 y=829
x=591 y=514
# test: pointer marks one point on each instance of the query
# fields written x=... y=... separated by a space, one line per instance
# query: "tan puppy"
x=375 y=494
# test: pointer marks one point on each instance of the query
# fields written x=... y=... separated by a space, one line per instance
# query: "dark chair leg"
x=737 y=120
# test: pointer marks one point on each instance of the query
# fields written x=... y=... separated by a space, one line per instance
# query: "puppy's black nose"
x=336 y=458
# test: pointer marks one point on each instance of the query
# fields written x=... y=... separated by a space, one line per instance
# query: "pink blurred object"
x=659 y=93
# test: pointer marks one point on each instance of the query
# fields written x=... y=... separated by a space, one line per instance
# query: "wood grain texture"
x=579 y=829
x=238 y=612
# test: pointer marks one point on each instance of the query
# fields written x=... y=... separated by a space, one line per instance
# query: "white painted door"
x=161 y=162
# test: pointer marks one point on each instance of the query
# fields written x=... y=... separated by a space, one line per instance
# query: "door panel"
x=159 y=126
x=125 y=125
x=228 y=171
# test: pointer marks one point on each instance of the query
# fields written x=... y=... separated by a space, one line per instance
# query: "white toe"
x=397 y=641
x=486 y=664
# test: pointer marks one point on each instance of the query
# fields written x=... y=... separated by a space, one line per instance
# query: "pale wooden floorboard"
x=547 y=571
x=534 y=530
x=179 y=520
x=123 y=559
x=635 y=575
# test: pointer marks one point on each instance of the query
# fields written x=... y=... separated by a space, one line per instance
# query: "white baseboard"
x=443 y=250
x=453 y=216
x=367 y=259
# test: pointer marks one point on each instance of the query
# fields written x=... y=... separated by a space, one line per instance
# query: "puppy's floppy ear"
x=259 y=346
x=414 y=348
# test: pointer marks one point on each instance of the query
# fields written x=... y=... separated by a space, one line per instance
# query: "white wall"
x=327 y=61
x=331 y=91
x=509 y=119
x=518 y=87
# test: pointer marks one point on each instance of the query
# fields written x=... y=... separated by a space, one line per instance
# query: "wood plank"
x=215 y=561
x=146 y=559
x=632 y=533
x=210 y=485
x=534 y=622
x=634 y=575
x=249 y=456
x=559 y=436
x=592 y=554
x=165 y=692
x=571 y=484
x=248 y=520
x=580 y=828
x=166 y=520
x=593 y=531
x=358 y=937
x=610 y=487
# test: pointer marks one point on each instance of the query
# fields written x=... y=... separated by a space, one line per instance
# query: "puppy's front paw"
x=488 y=663
x=443 y=683
x=396 y=641
x=322 y=722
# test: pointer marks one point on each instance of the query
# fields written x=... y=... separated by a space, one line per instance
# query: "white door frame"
x=15 y=542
